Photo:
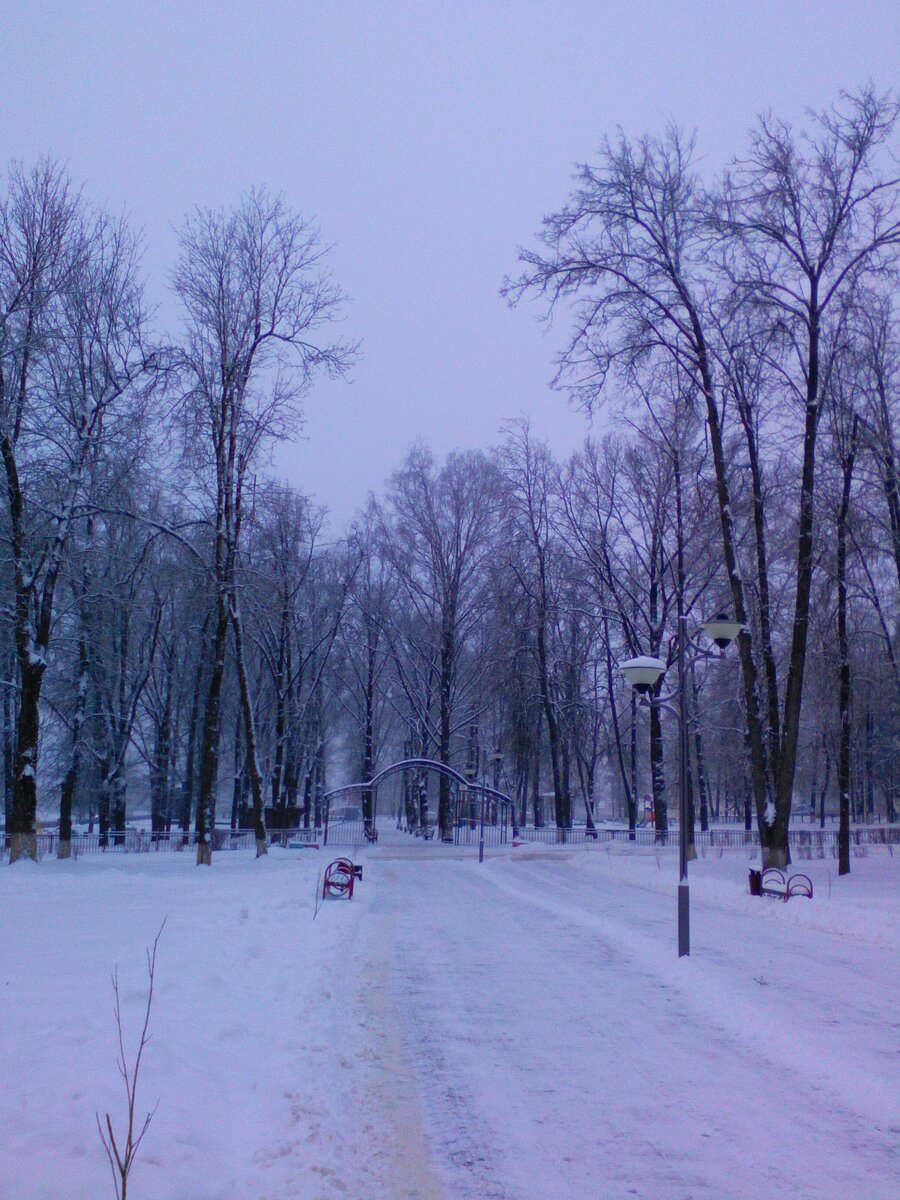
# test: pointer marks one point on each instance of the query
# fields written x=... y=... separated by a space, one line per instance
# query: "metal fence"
x=469 y=833
x=807 y=842
x=340 y=833
x=138 y=841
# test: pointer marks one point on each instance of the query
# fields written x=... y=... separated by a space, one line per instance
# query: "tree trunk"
x=23 y=839
x=104 y=804
x=823 y=795
x=689 y=801
x=702 y=777
x=553 y=736
x=445 y=808
x=159 y=771
x=658 y=776
x=10 y=694
x=368 y=755
x=117 y=815
x=188 y=787
x=844 y=657
x=70 y=781
x=633 y=796
x=237 y=790
x=756 y=746
x=252 y=759
x=870 y=767
x=537 y=807
x=209 y=742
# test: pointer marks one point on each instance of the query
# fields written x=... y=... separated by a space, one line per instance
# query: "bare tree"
x=528 y=471
x=364 y=664
x=806 y=219
x=798 y=225
x=437 y=531
x=255 y=294
x=72 y=348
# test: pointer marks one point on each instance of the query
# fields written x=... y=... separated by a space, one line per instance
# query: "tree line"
x=182 y=631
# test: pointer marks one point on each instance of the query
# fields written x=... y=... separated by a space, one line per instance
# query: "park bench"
x=772 y=882
x=340 y=876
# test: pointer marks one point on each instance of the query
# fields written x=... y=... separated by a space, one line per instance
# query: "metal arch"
x=409 y=764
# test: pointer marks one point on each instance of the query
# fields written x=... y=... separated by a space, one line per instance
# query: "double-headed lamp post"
x=643 y=674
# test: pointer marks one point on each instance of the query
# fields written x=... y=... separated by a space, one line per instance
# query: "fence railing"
x=137 y=841
x=800 y=839
x=808 y=843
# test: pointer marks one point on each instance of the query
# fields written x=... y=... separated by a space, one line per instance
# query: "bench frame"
x=772 y=882
x=339 y=878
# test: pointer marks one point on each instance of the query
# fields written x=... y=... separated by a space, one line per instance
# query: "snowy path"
x=519 y=1030
x=564 y=1051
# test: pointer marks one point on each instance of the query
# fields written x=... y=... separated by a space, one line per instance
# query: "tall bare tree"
x=798 y=226
x=438 y=530
x=72 y=351
x=256 y=296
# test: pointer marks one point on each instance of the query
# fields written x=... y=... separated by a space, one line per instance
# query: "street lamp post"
x=643 y=674
x=496 y=759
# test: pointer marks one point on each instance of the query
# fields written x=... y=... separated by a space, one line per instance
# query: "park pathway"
x=561 y=1050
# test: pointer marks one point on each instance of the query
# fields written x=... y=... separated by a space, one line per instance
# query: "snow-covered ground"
x=520 y=1029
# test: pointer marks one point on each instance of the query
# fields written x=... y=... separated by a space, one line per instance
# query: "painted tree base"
x=261 y=847
x=64 y=849
x=204 y=854
x=23 y=845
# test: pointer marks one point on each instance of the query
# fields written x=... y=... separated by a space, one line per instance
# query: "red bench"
x=340 y=876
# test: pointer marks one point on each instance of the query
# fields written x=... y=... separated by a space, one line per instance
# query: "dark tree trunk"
x=252 y=759
x=159 y=771
x=445 y=808
x=702 y=776
x=104 y=804
x=689 y=802
x=368 y=755
x=633 y=792
x=537 y=807
x=823 y=795
x=553 y=734
x=117 y=815
x=237 y=788
x=189 y=786
x=627 y=784
x=70 y=780
x=209 y=741
x=10 y=695
x=870 y=767
x=23 y=839
x=844 y=657
x=281 y=704
x=657 y=775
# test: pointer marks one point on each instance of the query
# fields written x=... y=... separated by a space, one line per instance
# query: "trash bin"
x=755 y=882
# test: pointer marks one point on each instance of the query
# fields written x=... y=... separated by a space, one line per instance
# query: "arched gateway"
x=476 y=811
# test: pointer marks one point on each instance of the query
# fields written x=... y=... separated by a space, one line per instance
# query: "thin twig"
x=121 y=1161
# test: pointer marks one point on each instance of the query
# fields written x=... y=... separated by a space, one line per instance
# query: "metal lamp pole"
x=481 y=832
x=684 y=893
x=643 y=673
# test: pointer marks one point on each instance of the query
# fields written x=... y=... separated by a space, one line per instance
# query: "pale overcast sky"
x=427 y=139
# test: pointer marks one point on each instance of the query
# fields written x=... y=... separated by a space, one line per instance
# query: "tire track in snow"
x=386 y=1096
x=452 y=1116
x=577 y=1102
